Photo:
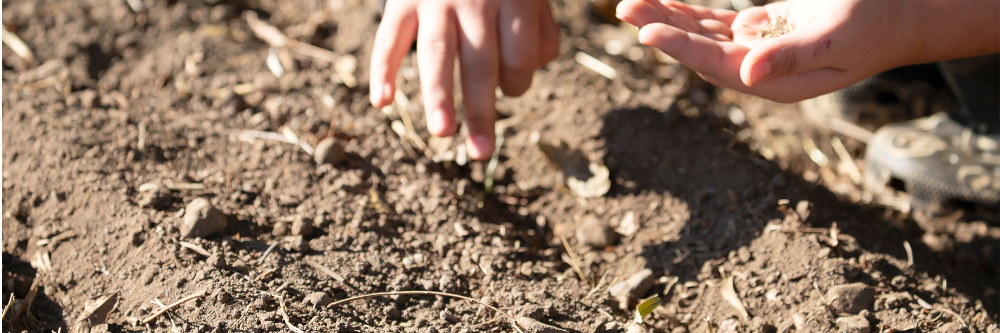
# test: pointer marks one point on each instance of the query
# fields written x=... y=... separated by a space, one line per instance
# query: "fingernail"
x=482 y=147
x=759 y=72
x=386 y=91
x=436 y=122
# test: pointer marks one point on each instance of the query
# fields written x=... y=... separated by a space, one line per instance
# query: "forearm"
x=952 y=29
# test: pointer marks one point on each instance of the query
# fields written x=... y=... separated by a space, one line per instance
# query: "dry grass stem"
x=331 y=273
x=575 y=262
x=274 y=37
x=909 y=253
x=194 y=247
x=18 y=46
x=268 y=251
x=160 y=312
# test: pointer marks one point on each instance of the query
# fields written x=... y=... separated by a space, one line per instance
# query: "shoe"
x=939 y=162
x=900 y=94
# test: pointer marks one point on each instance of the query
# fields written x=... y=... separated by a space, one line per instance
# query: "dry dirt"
x=707 y=191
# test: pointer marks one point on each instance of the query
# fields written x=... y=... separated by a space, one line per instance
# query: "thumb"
x=792 y=53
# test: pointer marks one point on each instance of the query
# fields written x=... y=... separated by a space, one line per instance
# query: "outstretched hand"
x=829 y=45
x=497 y=42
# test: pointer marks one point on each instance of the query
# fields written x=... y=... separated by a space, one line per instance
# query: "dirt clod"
x=202 y=219
x=301 y=226
x=851 y=298
x=317 y=299
x=159 y=198
x=330 y=151
x=595 y=233
x=217 y=260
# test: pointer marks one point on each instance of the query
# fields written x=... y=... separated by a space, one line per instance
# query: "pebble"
x=301 y=226
x=216 y=260
x=202 y=219
x=317 y=299
x=633 y=288
x=851 y=298
x=330 y=151
x=448 y=317
x=635 y=329
x=744 y=254
x=594 y=233
x=533 y=326
x=392 y=313
x=854 y=324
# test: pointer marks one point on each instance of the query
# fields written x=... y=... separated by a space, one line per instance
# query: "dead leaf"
x=729 y=293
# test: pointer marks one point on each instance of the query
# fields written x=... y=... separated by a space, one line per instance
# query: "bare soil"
x=716 y=182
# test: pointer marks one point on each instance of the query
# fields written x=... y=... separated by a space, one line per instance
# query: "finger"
x=715 y=27
x=800 y=86
x=549 y=33
x=639 y=13
x=437 y=42
x=392 y=40
x=700 y=53
x=703 y=13
x=799 y=51
x=519 y=31
x=479 y=60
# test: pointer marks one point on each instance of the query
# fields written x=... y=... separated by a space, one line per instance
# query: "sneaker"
x=900 y=94
x=939 y=162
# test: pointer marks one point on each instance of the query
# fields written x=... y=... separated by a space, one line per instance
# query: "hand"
x=831 y=45
x=498 y=43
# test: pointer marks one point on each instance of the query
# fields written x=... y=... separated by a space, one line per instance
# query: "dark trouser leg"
x=976 y=84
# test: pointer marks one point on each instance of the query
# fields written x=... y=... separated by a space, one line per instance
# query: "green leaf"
x=646 y=307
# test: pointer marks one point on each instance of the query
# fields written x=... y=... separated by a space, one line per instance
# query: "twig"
x=157 y=314
x=195 y=248
x=284 y=313
x=276 y=137
x=404 y=114
x=596 y=65
x=268 y=251
x=845 y=157
x=909 y=253
x=30 y=298
x=949 y=311
x=142 y=136
x=331 y=273
x=513 y=322
x=575 y=262
x=277 y=39
x=9 y=302
x=18 y=46
x=494 y=160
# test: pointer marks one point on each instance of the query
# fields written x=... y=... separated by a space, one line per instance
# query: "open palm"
x=827 y=48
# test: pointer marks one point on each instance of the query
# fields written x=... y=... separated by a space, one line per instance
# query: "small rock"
x=594 y=233
x=533 y=326
x=202 y=219
x=330 y=151
x=159 y=198
x=216 y=260
x=893 y=300
x=301 y=226
x=448 y=317
x=634 y=288
x=59 y=196
x=730 y=325
x=296 y=244
x=854 y=324
x=317 y=299
x=803 y=208
x=851 y=298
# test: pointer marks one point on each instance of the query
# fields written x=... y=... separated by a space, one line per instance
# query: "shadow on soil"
x=731 y=194
x=45 y=314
